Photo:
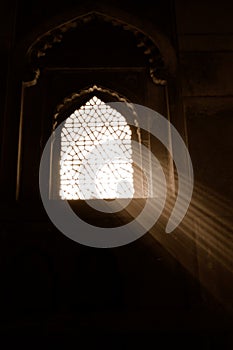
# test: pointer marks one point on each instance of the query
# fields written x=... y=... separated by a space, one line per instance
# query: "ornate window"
x=96 y=154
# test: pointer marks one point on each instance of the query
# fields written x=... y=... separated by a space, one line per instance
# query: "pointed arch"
x=155 y=45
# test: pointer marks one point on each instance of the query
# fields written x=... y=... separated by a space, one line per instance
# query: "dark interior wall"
x=205 y=51
x=31 y=15
x=150 y=276
x=205 y=39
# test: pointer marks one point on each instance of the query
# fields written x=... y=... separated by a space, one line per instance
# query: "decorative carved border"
x=71 y=98
x=40 y=47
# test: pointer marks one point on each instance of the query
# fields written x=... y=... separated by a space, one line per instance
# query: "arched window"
x=125 y=65
x=96 y=154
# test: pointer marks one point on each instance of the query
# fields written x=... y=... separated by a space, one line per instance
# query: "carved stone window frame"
x=156 y=46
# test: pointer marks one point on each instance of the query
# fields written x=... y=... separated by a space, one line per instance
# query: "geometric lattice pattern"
x=96 y=154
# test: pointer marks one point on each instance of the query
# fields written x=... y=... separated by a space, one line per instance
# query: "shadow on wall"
x=96 y=284
x=29 y=284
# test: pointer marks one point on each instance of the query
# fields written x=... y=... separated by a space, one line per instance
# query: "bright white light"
x=107 y=171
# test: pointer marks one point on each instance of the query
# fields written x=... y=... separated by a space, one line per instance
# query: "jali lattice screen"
x=96 y=154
